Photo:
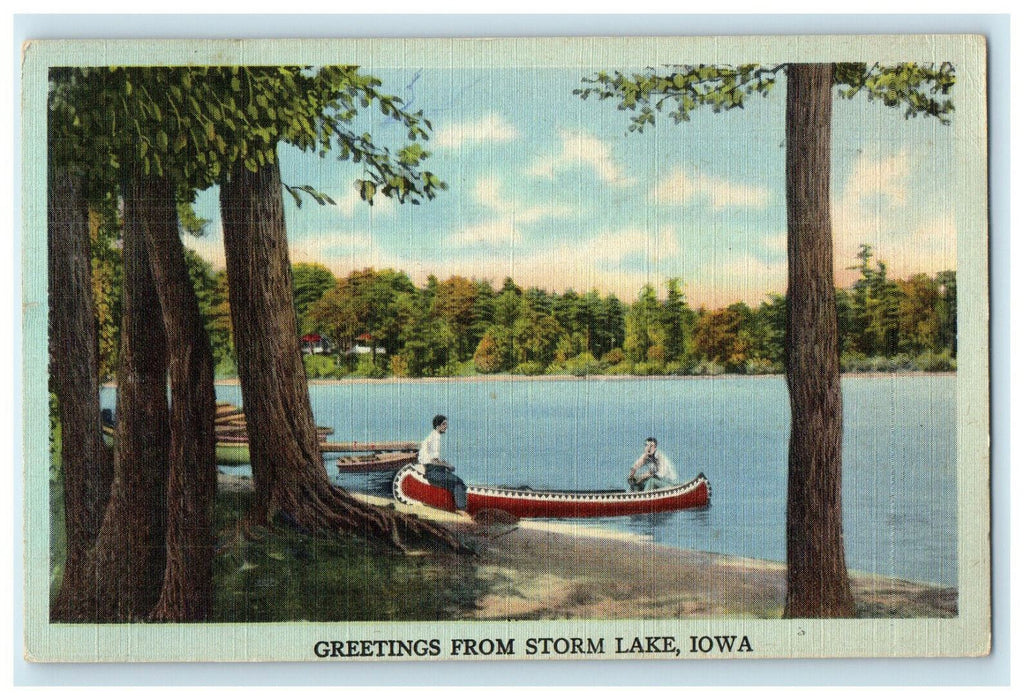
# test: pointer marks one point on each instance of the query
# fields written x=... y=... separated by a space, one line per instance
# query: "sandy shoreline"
x=549 y=570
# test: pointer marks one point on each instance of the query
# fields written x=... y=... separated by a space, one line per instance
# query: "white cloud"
x=489 y=128
x=610 y=261
x=875 y=208
x=345 y=251
x=776 y=243
x=614 y=246
x=738 y=277
x=499 y=232
x=349 y=204
x=488 y=193
x=500 y=229
x=582 y=150
x=681 y=188
x=873 y=178
x=604 y=261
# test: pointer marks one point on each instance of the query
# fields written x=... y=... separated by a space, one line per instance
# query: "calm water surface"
x=899 y=483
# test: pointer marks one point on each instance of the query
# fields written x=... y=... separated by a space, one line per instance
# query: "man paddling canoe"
x=652 y=470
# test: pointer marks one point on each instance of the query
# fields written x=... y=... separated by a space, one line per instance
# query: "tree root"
x=313 y=508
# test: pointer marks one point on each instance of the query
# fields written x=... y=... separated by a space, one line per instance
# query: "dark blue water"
x=899 y=484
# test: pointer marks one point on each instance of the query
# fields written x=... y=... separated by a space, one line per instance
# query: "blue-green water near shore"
x=899 y=477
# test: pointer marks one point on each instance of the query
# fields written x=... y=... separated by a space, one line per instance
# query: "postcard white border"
x=827 y=48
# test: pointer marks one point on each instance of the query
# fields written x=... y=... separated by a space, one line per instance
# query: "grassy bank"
x=530 y=570
x=287 y=575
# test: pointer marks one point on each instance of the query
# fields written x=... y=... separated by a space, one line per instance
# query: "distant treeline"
x=378 y=323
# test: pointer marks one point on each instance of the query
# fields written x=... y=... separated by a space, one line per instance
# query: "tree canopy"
x=677 y=90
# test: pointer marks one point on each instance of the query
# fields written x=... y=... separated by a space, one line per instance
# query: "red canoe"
x=411 y=487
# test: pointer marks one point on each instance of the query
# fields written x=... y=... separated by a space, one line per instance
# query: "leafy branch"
x=680 y=89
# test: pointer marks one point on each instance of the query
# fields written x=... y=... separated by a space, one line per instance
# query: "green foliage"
x=310 y=282
x=529 y=368
x=107 y=274
x=946 y=309
x=212 y=290
x=922 y=89
x=489 y=358
x=56 y=472
x=930 y=361
x=708 y=368
x=322 y=367
x=190 y=123
x=367 y=368
x=536 y=337
x=643 y=325
x=428 y=345
x=581 y=365
x=283 y=575
x=455 y=302
x=722 y=338
x=678 y=90
x=189 y=222
x=884 y=325
x=372 y=303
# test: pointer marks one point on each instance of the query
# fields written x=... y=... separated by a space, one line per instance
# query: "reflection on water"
x=372 y=483
x=655 y=525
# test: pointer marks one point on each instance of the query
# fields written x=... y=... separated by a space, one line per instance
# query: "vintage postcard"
x=473 y=349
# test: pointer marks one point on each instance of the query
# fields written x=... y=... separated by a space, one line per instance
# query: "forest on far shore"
x=378 y=323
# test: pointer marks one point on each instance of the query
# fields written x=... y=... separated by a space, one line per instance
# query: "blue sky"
x=552 y=191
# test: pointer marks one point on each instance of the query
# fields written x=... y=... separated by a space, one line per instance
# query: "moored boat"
x=228 y=454
x=375 y=462
x=411 y=487
x=232 y=446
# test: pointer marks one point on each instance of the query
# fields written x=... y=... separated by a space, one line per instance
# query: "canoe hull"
x=410 y=486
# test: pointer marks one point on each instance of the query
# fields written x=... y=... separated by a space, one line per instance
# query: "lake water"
x=899 y=483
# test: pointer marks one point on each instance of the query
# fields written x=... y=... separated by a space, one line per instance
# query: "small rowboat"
x=411 y=487
x=377 y=462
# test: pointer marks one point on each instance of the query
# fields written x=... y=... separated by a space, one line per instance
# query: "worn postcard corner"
x=512 y=349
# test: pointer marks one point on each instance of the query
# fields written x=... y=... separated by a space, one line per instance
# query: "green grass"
x=287 y=575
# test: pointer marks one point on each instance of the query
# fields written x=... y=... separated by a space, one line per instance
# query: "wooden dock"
x=369 y=447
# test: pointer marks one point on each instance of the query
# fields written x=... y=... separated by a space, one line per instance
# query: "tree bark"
x=130 y=552
x=74 y=356
x=290 y=477
x=817 y=579
x=187 y=593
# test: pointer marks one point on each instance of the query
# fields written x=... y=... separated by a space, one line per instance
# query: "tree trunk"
x=130 y=552
x=817 y=580
x=290 y=477
x=187 y=594
x=85 y=461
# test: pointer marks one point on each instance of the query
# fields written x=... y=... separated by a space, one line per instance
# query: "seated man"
x=437 y=471
x=652 y=470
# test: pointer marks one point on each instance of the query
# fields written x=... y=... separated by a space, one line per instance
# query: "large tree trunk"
x=289 y=475
x=817 y=580
x=85 y=461
x=130 y=552
x=187 y=593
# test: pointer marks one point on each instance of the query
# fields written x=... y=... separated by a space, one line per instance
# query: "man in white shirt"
x=656 y=471
x=438 y=471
